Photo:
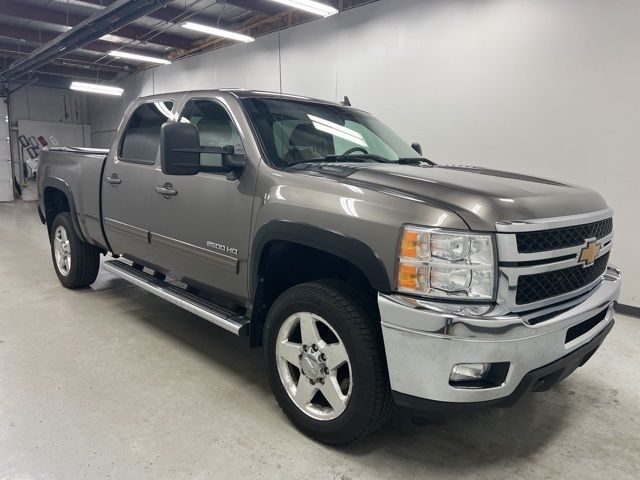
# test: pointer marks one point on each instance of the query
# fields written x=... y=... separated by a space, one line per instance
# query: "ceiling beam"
x=117 y=15
x=44 y=36
x=57 y=17
x=72 y=71
x=171 y=14
x=265 y=7
x=11 y=49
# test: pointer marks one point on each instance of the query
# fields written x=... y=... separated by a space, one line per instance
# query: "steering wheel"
x=355 y=149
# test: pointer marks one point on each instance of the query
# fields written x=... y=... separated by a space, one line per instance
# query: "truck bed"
x=78 y=172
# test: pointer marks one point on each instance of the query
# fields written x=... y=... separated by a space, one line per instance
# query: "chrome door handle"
x=166 y=190
x=114 y=179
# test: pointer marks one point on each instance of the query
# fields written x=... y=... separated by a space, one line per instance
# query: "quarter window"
x=141 y=139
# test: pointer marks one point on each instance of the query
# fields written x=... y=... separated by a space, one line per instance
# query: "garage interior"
x=112 y=381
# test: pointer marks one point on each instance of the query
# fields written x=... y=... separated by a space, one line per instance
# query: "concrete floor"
x=111 y=382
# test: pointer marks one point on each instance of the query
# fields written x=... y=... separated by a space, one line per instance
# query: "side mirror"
x=232 y=160
x=179 y=149
x=417 y=147
x=180 y=152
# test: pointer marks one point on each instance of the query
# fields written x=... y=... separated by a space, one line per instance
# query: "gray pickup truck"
x=371 y=276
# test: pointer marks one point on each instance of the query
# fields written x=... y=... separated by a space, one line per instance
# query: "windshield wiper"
x=344 y=158
x=414 y=161
x=361 y=158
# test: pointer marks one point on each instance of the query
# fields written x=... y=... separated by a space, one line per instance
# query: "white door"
x=6 y=179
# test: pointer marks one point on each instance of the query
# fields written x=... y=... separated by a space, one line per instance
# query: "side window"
x=215 y=128
x=141 y=139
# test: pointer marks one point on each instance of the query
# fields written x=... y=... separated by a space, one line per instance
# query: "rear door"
x=128 y=180
x=202 y=230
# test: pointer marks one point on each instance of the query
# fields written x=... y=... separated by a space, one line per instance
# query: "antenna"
x=346 y=102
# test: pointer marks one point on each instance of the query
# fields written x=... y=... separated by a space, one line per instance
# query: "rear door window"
x=141 y=139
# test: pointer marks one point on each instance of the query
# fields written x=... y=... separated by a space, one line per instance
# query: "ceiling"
x=25 y=25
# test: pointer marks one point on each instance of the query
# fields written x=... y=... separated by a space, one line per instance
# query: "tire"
x=80 y=262
x=342 y=316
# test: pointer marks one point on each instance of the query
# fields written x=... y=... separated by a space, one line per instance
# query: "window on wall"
x=215 y=128
x=141 y=139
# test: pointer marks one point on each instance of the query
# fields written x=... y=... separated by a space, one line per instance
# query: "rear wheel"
x=76 y=263
x=326 y=363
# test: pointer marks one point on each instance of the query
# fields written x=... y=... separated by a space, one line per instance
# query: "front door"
x=200 y=224
x=128 y=181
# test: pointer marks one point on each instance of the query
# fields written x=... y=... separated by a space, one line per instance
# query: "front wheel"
x=76 y=262
x=325 y=362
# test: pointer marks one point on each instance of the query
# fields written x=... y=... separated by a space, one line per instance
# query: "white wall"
x=546 y=87
x=105 y=112
x=47 y=105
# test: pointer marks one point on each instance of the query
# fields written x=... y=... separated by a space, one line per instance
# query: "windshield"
x=294 y=131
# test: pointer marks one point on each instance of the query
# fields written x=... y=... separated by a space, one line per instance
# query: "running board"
x=216 y=314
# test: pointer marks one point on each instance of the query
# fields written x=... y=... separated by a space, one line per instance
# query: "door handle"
x=166 y=190
x=114 y=179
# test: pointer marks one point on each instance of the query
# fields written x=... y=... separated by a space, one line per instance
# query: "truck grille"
x=541 y=286
x=546 y=240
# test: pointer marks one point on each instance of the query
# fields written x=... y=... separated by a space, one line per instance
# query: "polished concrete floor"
x=111 y=382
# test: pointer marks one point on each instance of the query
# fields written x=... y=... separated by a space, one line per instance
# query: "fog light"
x=466 y=372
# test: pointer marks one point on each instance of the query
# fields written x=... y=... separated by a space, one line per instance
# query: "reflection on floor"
x=30 y=191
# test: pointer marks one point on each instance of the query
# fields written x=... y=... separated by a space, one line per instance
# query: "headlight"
x=446 y=264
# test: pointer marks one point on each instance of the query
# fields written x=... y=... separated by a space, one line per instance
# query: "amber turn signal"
x=407 y=276
x=409 y=244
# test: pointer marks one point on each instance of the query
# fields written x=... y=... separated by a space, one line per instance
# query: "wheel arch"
x=325 y=253
x=57 y=197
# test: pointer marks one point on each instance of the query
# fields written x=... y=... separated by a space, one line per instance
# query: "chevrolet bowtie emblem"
x=589 y=253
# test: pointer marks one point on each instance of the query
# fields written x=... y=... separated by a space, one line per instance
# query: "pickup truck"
x=370 y=275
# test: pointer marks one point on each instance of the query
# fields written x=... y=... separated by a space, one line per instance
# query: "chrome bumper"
x=423 y=343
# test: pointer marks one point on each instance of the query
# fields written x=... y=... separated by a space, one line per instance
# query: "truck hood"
x=481 y=197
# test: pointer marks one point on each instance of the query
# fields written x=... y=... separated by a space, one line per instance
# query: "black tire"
x=85 y=258
x=356 y=322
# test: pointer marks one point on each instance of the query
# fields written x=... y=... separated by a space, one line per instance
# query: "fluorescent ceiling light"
x=114 y=38
x=80 y=3
x=95 y=88
x=218 y=32
x=310 y=6
x=135 y=56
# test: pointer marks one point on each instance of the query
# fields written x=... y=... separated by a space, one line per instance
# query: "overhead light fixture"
x=135 y=56
x=218 y=32
x=114 y=38
x=80 y=3
x=95 y=88
x=310 y=6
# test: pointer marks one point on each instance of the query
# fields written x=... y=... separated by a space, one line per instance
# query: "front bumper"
x=423 y=343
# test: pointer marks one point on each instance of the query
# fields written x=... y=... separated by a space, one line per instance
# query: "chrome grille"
x=539 y=266
x=533 y=288
x=531 y=242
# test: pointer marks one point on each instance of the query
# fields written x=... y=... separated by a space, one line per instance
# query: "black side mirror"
x=417 y=147
x=232 y=160
x=179 y=149
x=180 y=152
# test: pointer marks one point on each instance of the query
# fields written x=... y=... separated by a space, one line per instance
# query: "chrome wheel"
x=314 y=366
x=62 y=250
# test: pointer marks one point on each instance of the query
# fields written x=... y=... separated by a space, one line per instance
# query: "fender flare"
x=59 y=184
x=326 y=240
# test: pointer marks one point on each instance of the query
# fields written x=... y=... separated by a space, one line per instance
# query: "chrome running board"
x=215 y=314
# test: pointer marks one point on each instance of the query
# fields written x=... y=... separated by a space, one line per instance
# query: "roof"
x=243 y=93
